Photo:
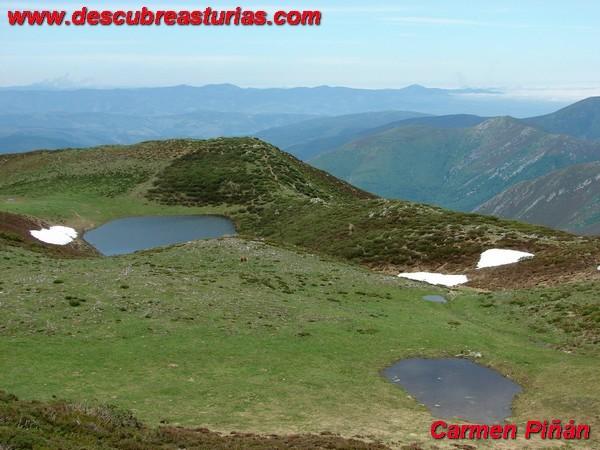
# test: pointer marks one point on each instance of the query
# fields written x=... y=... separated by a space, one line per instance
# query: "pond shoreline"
x=130 y=234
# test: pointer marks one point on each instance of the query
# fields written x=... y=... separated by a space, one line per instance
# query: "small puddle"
x=129 y=235
x=456 y=388
x=435 y=299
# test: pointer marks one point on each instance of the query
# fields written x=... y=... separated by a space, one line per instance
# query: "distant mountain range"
x=42 y=116
x=398 y=143
x=313 y=137
x=322 y=100
x=458 y=168
x=24 y=132
x=542 y=170
x=310 y=138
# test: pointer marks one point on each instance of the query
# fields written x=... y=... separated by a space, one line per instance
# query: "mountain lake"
x=129 y=235
x=456 y=388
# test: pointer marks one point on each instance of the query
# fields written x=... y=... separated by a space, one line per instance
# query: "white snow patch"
x=497 y=257
x=57 y=235
x=436 y=278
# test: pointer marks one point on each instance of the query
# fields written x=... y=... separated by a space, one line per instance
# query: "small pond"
x=456 y=388
x=435 y=299
x=132 y=234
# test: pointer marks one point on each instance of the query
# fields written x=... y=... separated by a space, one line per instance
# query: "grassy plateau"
x=281 y=330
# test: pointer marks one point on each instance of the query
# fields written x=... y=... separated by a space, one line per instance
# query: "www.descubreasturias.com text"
x=148 y=17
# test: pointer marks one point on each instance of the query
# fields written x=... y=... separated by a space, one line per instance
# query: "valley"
x=458 y=168
x=472 y=163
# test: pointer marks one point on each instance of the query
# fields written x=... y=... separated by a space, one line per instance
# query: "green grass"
x=289 y=341
x=270 y=195
x=286 y=342
x=74 y=426
x=570 y=310
x=84 y=212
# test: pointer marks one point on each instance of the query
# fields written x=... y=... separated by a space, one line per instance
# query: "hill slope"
x=309 y=138
x=263 y=337
x=101 y=427
x=285 y=342
x=567 y=199
x=272 y=195
x=581 y=120
x=449 y=121
x=458 y=168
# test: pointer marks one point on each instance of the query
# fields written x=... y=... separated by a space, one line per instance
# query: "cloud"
x=555 y=93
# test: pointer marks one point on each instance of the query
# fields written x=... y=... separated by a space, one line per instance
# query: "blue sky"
x=529 y=47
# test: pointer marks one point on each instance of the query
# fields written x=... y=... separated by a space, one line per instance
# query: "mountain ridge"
x=573 y=192
x=311 y=137
x=322 y=100
x=581 y=119
x=272 y=195
x=459 y=168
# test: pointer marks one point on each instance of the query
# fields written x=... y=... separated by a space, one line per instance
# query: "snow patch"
x=436 y=278
x=57 y=235
x=498 y=257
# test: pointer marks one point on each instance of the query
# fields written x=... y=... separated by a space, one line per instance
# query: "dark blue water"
x=456 y=388
x=129 y=235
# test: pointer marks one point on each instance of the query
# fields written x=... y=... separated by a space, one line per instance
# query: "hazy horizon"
x=536 y=49
x=557 y=95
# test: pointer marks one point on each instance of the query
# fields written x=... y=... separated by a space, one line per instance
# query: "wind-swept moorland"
x=285 y=328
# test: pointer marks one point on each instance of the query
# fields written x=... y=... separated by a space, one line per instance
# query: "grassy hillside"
x=287 y=342
x=273 y=331
x=310 y=138
x=449 y=121
x=272 y=195
x=73 y=426
x=15 y=231
x=581 y=120
x=459 y=168
x=244 y=172
x=567 y=199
